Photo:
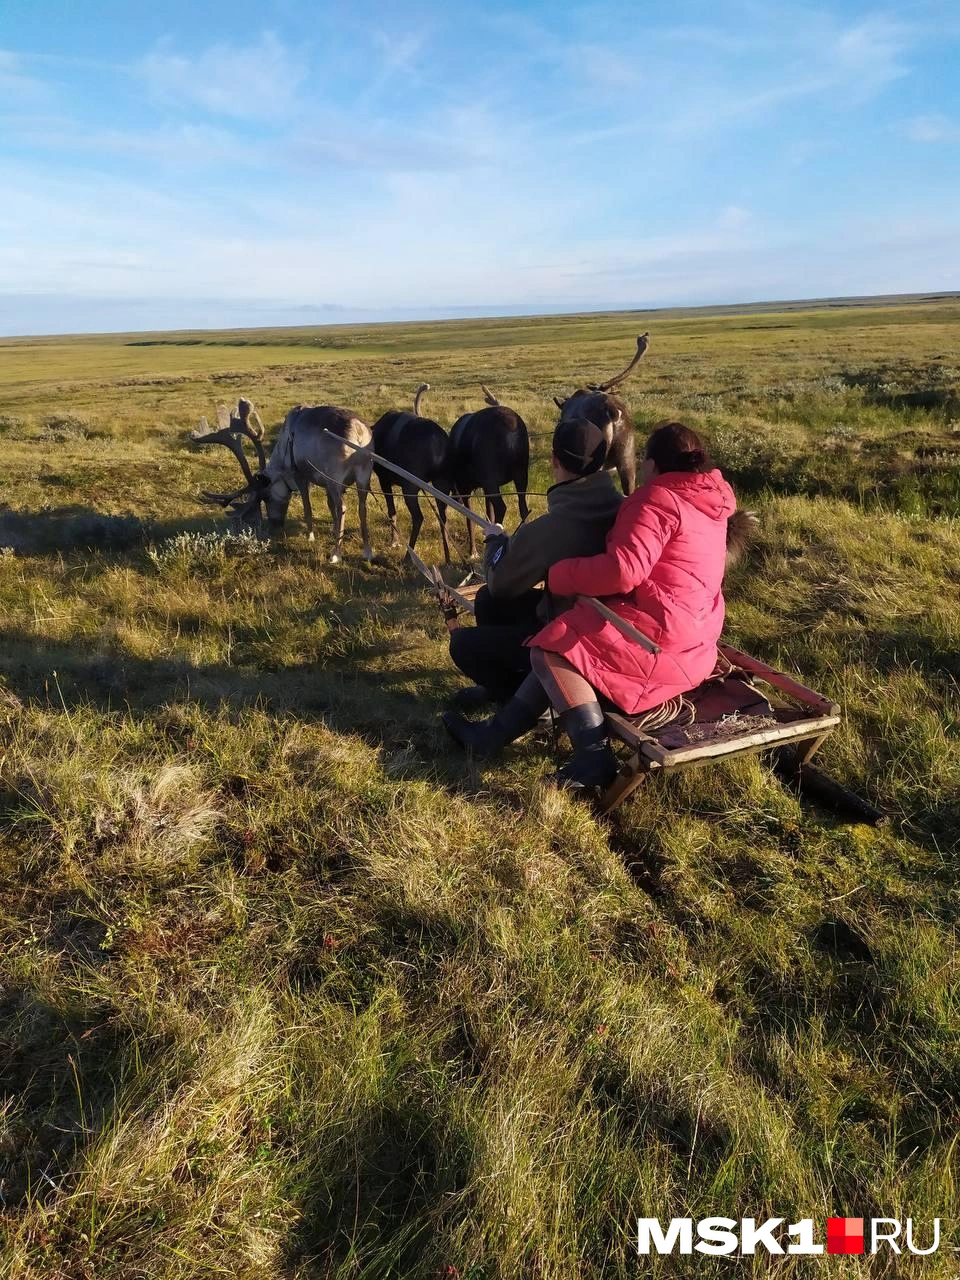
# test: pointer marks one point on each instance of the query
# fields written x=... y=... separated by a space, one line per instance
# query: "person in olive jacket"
x=581 y=508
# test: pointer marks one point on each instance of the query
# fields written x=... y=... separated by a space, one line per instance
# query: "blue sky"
x=288 y=161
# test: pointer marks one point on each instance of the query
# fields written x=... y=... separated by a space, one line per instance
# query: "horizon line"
x=442 y=314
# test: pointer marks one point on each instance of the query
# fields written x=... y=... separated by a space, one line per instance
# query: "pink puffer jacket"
x=662 y=571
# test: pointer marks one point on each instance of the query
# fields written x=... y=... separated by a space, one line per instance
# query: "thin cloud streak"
x=932 y=129
x=254 y=81
x=18 y=88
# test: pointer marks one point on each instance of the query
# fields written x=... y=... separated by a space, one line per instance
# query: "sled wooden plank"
x=754 y=667
x=793 y=731
x=634 y=770
x=623 y=728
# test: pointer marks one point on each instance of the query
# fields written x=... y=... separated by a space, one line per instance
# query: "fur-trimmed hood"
x=741 y=528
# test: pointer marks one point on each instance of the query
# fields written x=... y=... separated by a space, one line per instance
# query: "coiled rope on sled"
x=679 y=711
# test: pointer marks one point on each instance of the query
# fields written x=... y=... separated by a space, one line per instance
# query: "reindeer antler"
x=231 y=428
x=223 y=499
x=418 y=396
x=642 y=344
x=229 y=435
x=246 y=411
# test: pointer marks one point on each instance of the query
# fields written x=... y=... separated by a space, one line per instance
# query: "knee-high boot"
x=593 y=763
x=487 y=738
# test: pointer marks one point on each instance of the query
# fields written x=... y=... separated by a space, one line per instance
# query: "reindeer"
x=611 y=415
x=423 y=447
x=302 y=454
x=490 y=448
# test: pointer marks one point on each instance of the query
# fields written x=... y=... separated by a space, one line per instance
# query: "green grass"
x=291 y=990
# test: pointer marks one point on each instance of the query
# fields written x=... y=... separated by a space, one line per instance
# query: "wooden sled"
x=732 y=717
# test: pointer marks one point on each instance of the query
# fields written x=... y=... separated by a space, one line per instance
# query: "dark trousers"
x=492 y=653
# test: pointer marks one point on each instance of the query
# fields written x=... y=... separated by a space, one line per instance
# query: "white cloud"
x=875 y=46
x=699 y=80
x=261 y=80
x=733 y=217
x=390 y=268
x=815 y=58
x=400 y=53
x=17 y=88
x=932 y=128
x=183 y=145
x=606 y=69
x=386 y=148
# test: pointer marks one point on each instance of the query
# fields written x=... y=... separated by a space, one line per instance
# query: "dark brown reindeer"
x=303 y=454
x=611 y=415
x=421 y=446
x=488 y=449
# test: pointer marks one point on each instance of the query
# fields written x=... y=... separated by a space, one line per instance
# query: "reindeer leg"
x=521 y=486
x=627 y=465
x=416 y=516
x=363 y=492
x=392 y=513
x=498 y=507
x=465 y=499
x=335 y=503
x=304 y=487
x=442 y=517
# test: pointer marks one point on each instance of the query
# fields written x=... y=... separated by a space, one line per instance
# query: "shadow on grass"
x=378 y=1205
x=60 y=1069
x=73 y=675
x=80 y=528
x=394 y=709
x=886 y=386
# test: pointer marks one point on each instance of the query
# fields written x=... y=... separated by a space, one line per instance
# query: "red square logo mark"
x=844 y=1235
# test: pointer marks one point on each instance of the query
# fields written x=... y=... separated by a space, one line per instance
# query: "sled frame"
x=805 y=719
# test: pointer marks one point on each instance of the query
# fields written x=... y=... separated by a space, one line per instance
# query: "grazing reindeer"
x=423 y=447
x=610 y=414
x=490 y=448
x=303 y=454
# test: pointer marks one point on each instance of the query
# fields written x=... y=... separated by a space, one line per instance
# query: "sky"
x=252 y=162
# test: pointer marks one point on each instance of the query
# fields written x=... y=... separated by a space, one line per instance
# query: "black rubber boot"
x=471 y=697
x=593 y=765
x=487 y=738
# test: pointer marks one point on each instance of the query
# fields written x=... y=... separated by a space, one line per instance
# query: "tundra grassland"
x=292 y=990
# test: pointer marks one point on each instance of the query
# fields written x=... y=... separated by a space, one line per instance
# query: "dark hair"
x=674 y=447
x=580 y=446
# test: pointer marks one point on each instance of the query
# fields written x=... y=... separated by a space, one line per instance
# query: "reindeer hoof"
x=311 y=536
x=334 y=558
x=367 y=553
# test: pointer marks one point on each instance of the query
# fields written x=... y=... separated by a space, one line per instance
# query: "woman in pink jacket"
x=661 y=571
